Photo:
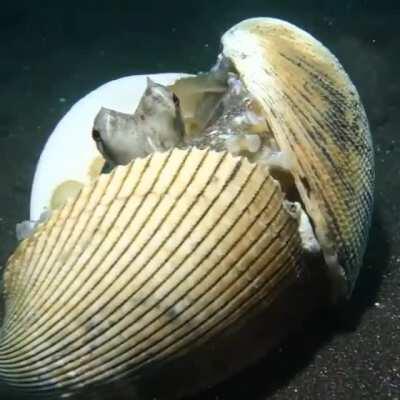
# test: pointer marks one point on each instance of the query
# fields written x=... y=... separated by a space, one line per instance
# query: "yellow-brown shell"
x=146 y=262
x=317 y=117
x=177 y=250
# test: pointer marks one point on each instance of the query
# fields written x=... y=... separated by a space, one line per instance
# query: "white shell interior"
x=70 y=149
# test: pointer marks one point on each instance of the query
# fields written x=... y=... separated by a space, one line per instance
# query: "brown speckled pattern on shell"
x=317 y=117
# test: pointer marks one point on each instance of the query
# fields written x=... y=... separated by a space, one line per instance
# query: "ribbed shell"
x=146 y=263
x=318 y=120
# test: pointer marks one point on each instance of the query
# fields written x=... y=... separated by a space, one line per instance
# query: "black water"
x=53 y=53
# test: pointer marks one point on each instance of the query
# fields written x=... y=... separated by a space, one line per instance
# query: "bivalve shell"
x=195 y=257
x=144 y=263
x=318 y=120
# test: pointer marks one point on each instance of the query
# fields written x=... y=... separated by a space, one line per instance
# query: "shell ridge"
x=149 y=160
x=205 y=292
x=50 y=269
x=161 y=168
x=29 y=278
x=280 y=275
x=205 y=153
x=260 y=254
x=46 y=288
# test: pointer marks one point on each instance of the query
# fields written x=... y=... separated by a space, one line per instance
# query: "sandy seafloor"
x=53 y=53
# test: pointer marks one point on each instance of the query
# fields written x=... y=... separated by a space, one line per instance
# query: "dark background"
x=53 y=53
